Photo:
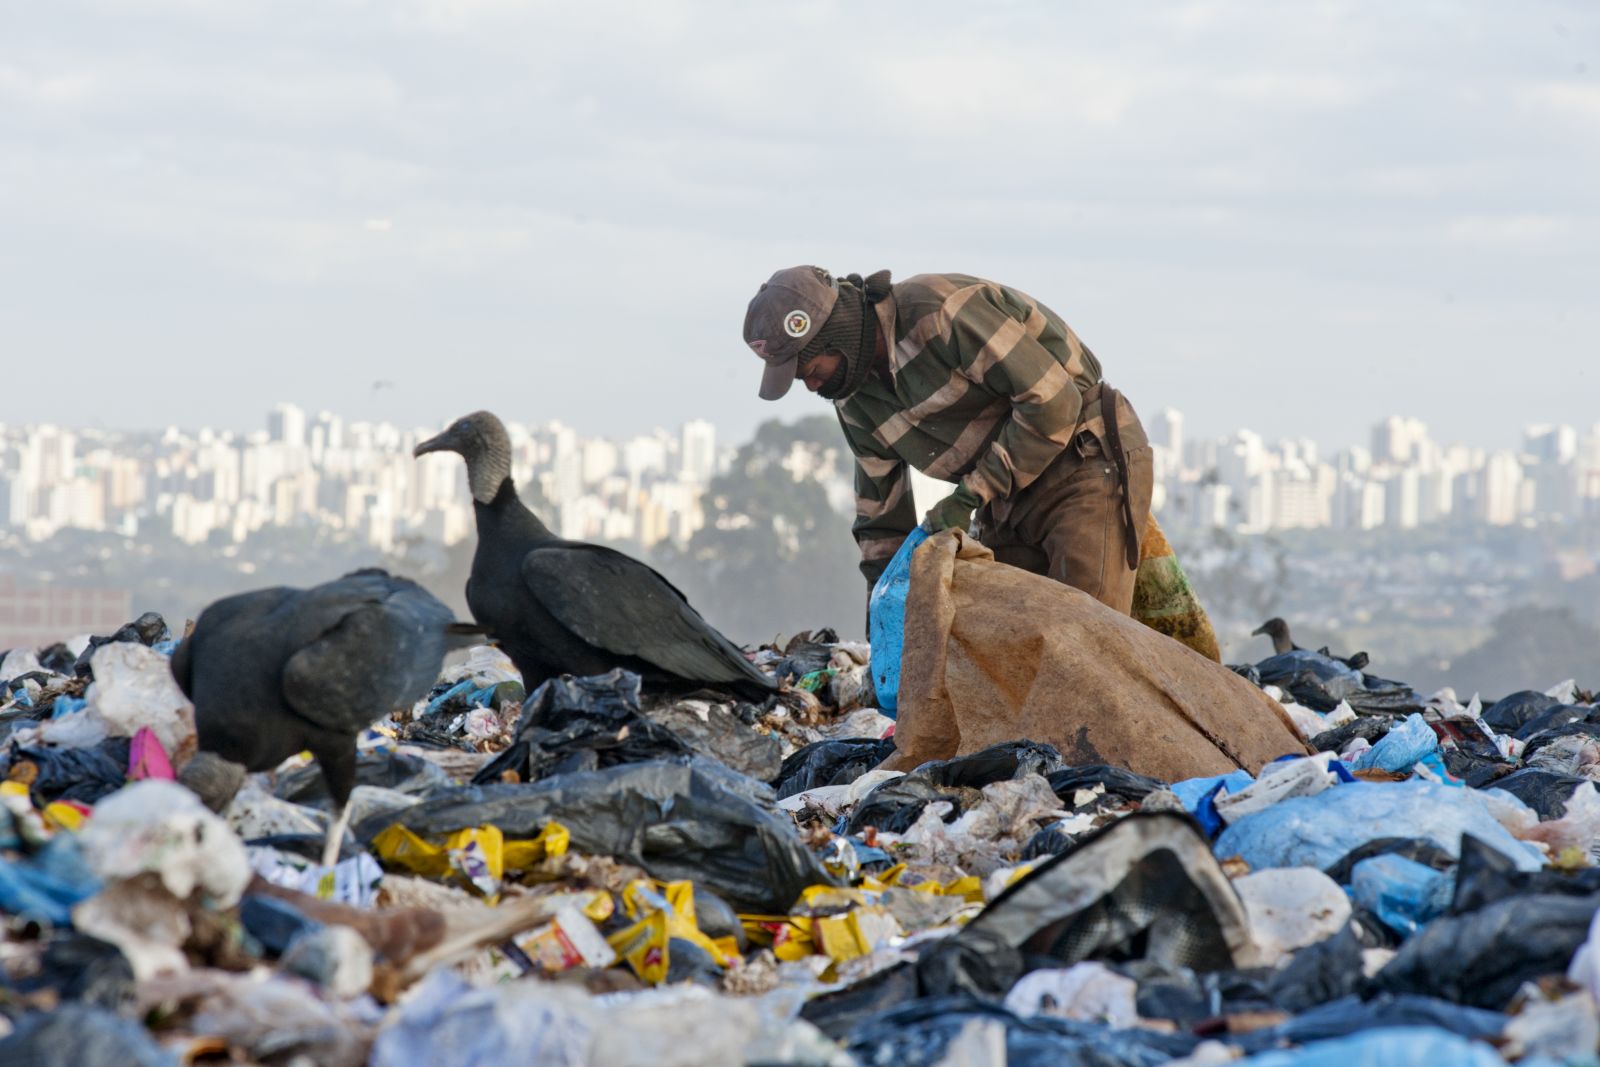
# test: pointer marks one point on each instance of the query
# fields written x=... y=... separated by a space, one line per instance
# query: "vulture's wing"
x=374 y=643
x=616 y=603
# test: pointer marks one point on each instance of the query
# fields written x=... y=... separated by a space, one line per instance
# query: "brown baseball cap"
x=783 y=317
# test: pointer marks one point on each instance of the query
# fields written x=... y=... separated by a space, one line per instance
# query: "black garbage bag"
x=1466 y=734
x=87 y=774
x=1507 y=716
x=273 y=922
x=1174 y=993
x=1542 y=725
x=839 y=1012
x=1247 y=671
x=998 y=763
x=805 y=653
x=716 y=918
x=582 y=724
x=1334 y=740
x=1049 y=841
x=1315 y=680
x=402 y=772
x=714 y=728
x=57 y=659
x=1485 y=875
x=1474 y=771
x=688 y=819
x=76 y=1035
x=1321 y=682
x=1481 y=958
x=894 y=805
x=919 y=1034
x=148 y=629
x=1116 y=781
x=1546 y=792
x=824 y=763
x=1319 y=973
x=77 y=967
x=1348 y=1015
x=980 y=965
x=1143 y=888
x=1186 y=998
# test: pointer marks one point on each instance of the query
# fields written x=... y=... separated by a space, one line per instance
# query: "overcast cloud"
x=1297 y=217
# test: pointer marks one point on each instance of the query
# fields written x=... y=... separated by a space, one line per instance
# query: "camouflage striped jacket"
x=987 y=390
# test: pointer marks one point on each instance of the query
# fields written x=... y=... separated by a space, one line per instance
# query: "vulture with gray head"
x=566 y=607
x=280 y=671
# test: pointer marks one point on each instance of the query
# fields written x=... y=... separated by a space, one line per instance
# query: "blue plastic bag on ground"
x=47 y=885
x=1403 y=893
x=1191 y=791
x=1317 y=831
x=886 y=622
x=1403 y=1046
x=1400 y=748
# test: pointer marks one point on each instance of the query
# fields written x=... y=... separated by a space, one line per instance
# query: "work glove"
x=954 y=510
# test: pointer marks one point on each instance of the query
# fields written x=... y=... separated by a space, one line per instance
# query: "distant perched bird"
x=566 y=607
x=1278 y=630
x=280 y=671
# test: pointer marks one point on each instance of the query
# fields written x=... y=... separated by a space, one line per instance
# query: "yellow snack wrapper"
x=665 y=912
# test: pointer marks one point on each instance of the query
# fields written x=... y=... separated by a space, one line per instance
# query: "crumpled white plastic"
x=1091 y=992
x=1279 y=781
x=159 y=827
x=1290 y=908
x=133 y=687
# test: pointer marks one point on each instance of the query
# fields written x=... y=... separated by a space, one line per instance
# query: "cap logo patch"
x=796 y=323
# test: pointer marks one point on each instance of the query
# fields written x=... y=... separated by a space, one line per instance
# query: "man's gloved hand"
x=954 y=510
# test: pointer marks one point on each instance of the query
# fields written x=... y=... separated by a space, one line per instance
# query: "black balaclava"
x=849 y=331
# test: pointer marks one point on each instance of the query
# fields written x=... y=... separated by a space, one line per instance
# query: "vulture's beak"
x=1258 y=630
x=442 y=443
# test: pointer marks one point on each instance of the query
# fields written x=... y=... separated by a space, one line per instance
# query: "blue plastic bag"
x=1400 y=1046
x=1317 y=831
x=1401 y=747
x=886 y=622
x=1404 y=894
x=48 y=884
x=1191 y=791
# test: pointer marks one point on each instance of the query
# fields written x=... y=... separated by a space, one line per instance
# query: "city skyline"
x=358 y=477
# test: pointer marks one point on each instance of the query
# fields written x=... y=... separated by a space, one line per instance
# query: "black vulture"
x=280 y=671
x=566 y=607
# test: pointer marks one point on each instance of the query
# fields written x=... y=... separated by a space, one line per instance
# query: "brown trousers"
x=1068 y=523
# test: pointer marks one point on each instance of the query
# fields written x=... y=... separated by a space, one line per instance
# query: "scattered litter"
x=598 y=873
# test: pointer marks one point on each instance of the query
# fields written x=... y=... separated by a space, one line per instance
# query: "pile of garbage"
x=592 y=874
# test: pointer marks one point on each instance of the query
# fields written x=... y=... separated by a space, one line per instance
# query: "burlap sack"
x=993 y=653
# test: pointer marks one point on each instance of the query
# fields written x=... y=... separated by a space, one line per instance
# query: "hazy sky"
x=1298 y=217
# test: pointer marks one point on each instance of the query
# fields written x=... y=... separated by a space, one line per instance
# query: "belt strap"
x=1108 y=412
